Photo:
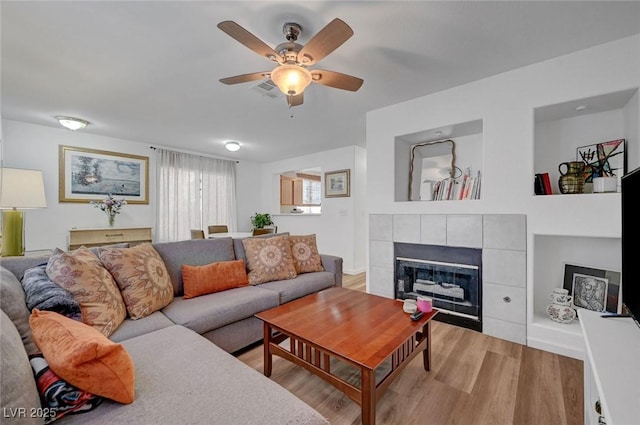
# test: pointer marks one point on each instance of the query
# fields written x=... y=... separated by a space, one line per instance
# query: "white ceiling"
x=148 y=71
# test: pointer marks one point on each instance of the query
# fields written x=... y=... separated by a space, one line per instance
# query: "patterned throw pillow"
x=214 y=277
x=81 y=273
x=142 y=277
x=269 y=259
x=305 y=254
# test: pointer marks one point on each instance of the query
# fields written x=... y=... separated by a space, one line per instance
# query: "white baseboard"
x=356 y=271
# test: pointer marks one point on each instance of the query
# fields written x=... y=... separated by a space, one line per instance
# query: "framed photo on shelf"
x=91 y=174
x=607 y=159
x=337 y=184
x=593 y=289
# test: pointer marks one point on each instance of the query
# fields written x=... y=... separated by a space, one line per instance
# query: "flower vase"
x=112 y=219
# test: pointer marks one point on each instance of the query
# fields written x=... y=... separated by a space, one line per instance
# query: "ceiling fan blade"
x=249 y=40
x=295 y=100
x=244 y=78
x=324 y=42
x=336 y=80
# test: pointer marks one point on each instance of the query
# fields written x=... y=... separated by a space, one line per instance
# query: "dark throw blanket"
x=44 y=294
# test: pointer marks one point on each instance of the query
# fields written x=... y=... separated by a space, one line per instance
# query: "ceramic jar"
x=560 y=309
x=572 y=178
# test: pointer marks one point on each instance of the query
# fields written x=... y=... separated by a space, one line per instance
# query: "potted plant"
x=259 y=221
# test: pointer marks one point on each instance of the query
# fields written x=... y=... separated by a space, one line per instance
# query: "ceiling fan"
x=291 y=75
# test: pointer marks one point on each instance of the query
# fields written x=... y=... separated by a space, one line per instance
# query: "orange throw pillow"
x=214 y=277
x=83 y=356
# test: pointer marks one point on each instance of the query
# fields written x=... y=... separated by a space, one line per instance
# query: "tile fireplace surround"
x=503 y=240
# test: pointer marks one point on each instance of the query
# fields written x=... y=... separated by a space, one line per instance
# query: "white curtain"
x=193 y=192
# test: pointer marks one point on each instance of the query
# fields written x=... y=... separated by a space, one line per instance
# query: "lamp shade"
x=291 y=79
x=21 y=189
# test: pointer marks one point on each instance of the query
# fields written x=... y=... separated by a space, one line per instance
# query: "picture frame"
x=606 y=159
x=337 y=184
x=593 y=288
x=91 y=174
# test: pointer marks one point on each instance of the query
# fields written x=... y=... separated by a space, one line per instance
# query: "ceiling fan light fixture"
x=72 y=123
x=232 y=146
x=291 y=79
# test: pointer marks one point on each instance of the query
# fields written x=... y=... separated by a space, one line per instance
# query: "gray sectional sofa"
x=184 y=372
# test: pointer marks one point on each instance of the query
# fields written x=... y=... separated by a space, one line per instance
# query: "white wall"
x=340 y=229
x=506 y=103
x=36 y=147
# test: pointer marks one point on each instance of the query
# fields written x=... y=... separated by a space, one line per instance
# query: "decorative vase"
x=112 y=219
x=572 y=179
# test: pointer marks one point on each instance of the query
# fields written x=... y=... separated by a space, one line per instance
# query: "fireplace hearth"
x=451 y=276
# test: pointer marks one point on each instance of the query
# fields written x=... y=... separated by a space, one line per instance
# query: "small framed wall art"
x=337 y=184
x=593 y=289
x=91 y=174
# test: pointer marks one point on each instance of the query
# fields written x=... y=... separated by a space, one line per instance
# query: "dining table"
x=230 y=235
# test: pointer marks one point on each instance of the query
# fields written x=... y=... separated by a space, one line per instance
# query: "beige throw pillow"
x=81 y=273
x=305 y=254
x=142 y=277
x=269 y=259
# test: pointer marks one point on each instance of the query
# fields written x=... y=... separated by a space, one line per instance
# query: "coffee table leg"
x=267 y=349
x=368 y=388
x=426 y=354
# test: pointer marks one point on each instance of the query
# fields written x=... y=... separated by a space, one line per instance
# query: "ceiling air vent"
x=267 y=88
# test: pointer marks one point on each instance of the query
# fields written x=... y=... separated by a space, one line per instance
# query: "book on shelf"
x=464 y=187
x=542 y=184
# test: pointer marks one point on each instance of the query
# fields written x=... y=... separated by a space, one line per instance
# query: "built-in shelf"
x=435 y=159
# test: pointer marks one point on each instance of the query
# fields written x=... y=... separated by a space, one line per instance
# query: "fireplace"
x=451 y=276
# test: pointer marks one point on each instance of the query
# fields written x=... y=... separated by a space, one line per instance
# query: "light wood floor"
x=475 y=379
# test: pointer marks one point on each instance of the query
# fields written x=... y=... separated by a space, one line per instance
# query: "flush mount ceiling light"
x=72 y=123
x=232 y=146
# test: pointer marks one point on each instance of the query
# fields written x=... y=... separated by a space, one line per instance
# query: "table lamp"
x=19 y=190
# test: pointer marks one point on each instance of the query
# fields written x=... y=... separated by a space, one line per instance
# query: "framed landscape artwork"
x=91 y=174
x=336 y=184
x=593 y=289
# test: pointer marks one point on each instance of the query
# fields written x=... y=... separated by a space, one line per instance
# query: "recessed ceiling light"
x=72 y=123
x=581 y=108
x=232 y=146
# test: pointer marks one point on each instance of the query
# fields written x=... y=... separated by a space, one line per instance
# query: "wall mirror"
x=430 y=162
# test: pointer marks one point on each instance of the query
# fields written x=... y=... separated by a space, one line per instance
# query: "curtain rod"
x=201 y=156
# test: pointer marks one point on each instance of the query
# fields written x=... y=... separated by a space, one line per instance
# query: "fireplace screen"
x=454 y=287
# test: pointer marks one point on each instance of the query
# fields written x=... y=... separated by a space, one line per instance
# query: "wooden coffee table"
x=360 y=329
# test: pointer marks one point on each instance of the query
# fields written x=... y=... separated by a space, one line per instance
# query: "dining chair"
x=264 y=231
x=218 y=228
x=197 y=234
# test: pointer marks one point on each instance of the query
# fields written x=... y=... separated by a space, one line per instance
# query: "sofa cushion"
x=304 y=250
x=132 y=328
x=181 y=378
x=211 y=311
x=303 y=284
x=12 y=303
x=18 y=386
x=238 y=247
x=192 y=252
x=269 y=259
x=44 y=294
x=142 y=277
x=81 y=273
x=214 y=277
x=83 y=356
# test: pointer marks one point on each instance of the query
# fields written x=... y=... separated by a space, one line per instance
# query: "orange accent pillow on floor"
x=84 y=357
x=214 y=277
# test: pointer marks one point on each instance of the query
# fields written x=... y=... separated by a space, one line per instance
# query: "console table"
x=108 y=236
x=611 y=369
